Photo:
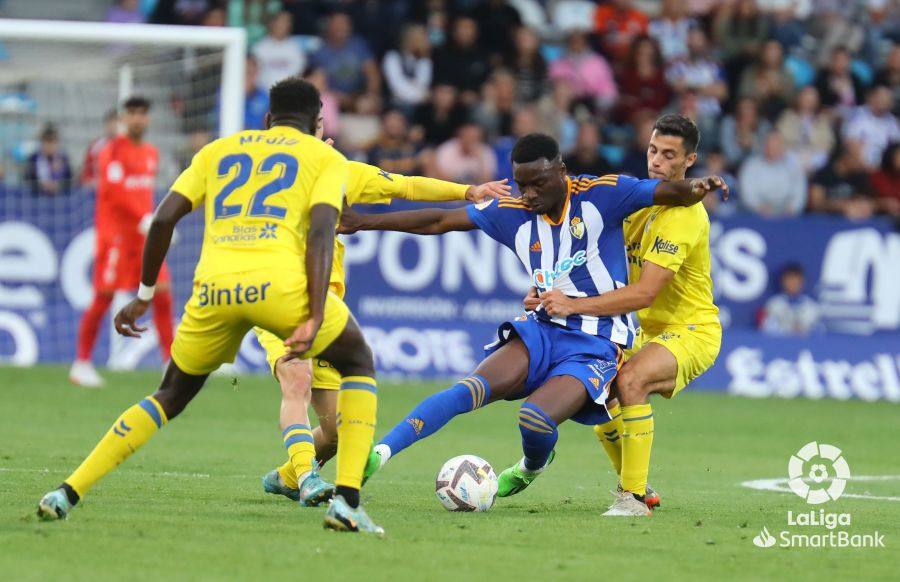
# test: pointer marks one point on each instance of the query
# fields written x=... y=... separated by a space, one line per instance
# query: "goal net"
x=66 y=78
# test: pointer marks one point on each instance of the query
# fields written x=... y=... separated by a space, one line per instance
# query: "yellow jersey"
x=257 y=188
x=675 y=238
x=371 y=185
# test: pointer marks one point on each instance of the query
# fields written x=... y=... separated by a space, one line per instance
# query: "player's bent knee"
x=177 y=389
x=295 y=378
x=631 y=387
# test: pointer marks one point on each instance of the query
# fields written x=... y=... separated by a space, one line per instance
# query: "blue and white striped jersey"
x=582 y=255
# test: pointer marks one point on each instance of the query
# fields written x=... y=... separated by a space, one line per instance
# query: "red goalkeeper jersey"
x=127 y=177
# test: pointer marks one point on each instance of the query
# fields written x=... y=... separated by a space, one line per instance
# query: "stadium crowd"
x=797 y=100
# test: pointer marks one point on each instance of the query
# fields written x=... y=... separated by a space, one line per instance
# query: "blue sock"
x=539 y=435
x=436 y=411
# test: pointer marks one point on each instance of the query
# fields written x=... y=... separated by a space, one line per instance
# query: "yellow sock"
x=610 y=436
x=356 y=408
x=128 y=433
x=637 y=440
x=288 y=476
x=298 y=441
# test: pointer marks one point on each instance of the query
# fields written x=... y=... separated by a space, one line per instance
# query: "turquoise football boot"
x=515 y=479
x=54 y=505
x=273 y=484
x=341 y=517
x=314 y=490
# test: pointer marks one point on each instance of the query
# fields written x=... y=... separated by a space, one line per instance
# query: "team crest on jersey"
x=576 y=226
x=417 y=424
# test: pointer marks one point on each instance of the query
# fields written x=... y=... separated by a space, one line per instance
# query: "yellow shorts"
x=223 y=308
x=695 y=348
x=325 y=376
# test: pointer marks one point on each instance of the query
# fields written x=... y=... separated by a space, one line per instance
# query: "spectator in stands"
x=588 y=73
x=125 y=11
x=842 y=186
x=773 y=184
x=437 y=120
x=278 y=54
x=499 y=20
x=768 y=80
x=791 y=311
x=586 y=157
x=873 y=126
x=256 y=99
x=554 y=115
x=460 y=63
x=252 y=16
x=47 y=171
x=525 y=121
x=466 y=158
x=88 y=175
x=349 y=65
x=743 y=132
x=739 y=30
x=714 y=163
x=331 y=108
x=671 y=29
x=838 y=85
x=786 y=18
x=688 y=104
x=889 y=76
x=617 y=23
x=408 y=69
x=642 y=82
x=700 y=72
x=191 y=12
x=886 y=181
x=634 y=163
x=393 y=151
x=498 y=103
x=807 y=130
x=528 y=65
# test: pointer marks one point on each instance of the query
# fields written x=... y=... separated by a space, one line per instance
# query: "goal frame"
x=233 y=42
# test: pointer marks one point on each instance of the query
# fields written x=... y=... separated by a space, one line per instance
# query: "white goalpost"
x=69 y=76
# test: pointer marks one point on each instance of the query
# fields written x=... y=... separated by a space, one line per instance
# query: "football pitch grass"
x=189 y=505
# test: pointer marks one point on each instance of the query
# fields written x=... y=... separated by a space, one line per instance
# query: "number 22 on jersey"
x=282 y=166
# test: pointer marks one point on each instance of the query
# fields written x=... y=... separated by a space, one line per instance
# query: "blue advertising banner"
x=429 y=304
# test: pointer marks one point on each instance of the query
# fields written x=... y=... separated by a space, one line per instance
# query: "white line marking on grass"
x=141 y=473
x=781 y=486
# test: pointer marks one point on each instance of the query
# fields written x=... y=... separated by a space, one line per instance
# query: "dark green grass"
x=189 y=505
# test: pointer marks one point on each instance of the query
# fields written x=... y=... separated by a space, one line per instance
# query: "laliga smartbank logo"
x=818 y=473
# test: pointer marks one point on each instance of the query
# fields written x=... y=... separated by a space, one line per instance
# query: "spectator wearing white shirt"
x=700 y=72
x=774 y=183
x=671 y=29
x=277 y=54
x=873 y=126
x=791 y=312
x=408 y=70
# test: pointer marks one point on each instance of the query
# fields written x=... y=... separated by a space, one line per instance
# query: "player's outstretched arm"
x=172 y=209
x=427 y=221
x=422 y=189
x=688 y=192
x=319 y=254
x=623 y=300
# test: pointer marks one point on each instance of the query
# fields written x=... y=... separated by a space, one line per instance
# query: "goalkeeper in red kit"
x=126 y=176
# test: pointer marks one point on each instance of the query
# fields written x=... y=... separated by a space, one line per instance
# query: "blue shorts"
x=557 y=351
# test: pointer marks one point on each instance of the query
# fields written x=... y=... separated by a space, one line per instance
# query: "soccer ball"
x=466 y=483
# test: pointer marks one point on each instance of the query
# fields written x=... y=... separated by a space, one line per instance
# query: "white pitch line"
x=781 y=486
x=142 y=473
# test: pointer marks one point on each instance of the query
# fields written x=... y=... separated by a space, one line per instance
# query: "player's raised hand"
x=350 y=220
x=488 y=190
x=126 y=318
x=557 y=304
x=531 y=300
x=709 y=184
x=302 y=338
